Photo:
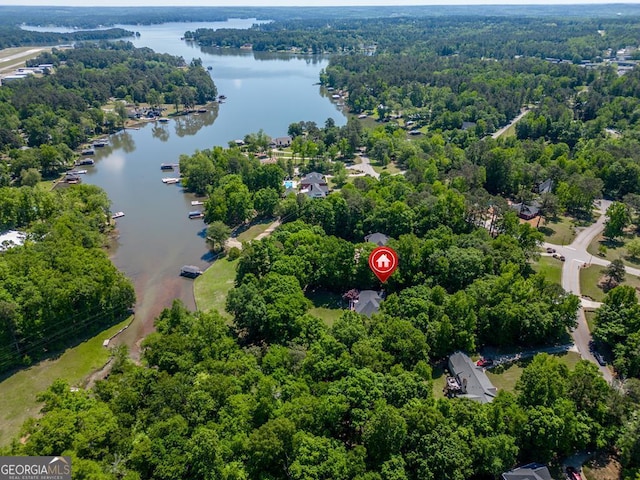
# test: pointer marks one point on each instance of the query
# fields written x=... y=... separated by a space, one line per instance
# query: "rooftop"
x=472 y=378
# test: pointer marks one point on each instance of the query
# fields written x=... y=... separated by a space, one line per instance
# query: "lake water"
x=156 y=237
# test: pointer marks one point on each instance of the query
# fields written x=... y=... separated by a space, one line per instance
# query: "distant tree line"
x=11 y=36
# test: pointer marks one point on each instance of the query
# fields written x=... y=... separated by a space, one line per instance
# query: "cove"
x=156 y=237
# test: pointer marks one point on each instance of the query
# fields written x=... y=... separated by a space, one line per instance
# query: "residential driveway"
x=576 y=256
x=364 y=167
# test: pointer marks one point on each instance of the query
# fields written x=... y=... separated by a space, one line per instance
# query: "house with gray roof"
x=378 y=238
x=545 y=187
x=473 y=381
x=368 y=302
x=532 y=471
x=314 y=185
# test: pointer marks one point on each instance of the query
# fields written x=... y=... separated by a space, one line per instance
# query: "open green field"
x=210 y=289
x=590 y=276
x=18 y=392
x=614 y=249
x=326 y=306
x=550 y=267
x=559 y=232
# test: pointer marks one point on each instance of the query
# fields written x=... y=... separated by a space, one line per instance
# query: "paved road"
x=364 y=167
x=576 y=256
x=522 y=113
x=20 y=57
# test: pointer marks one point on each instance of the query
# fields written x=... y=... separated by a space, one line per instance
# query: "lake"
x=156 y=237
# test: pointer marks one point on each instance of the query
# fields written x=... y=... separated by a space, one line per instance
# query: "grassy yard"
x=589 y=282
x=254 y=230
x=590 y=316
x=507 y=378
x=550 y=267
x=559 y=232
x=210 y=289
x=391 y=169
x=326 y=306
x=18 y=392
x=614 y=249
x=509 y=132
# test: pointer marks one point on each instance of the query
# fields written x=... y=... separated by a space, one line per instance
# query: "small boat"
x=85 y=161
x=209 y=67
x=222 y=97
x=190 y=271
x=88 y=151
x=170 y=180
x=196 y=214
x=163 y=120
x=100 y=143
x=166 y=166
x=195 y=203
x=117 y=215
x=80 y=172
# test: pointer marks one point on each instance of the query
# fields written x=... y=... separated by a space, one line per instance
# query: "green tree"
x=217 y=234
x=618 y=218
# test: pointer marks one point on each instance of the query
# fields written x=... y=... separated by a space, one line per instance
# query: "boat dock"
x=190 y=271
x=196 y=214
x=117 y=215
x=195 y=203
x=170 y=180
x=168 y=166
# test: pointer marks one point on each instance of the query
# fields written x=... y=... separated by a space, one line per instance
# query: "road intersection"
x=576 y=257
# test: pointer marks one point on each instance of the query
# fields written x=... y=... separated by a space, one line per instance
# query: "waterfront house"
x=282 y=142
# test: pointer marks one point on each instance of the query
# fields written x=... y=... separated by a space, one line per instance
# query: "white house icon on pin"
x=383 y=262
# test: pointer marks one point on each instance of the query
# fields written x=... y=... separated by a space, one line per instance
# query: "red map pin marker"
x=383 y=261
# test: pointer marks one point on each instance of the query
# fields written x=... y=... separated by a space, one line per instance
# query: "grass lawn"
x=559 y=232
x=590 y=315
x=254 y=230
x=439 y=381
x=615 y=249
x=550 y=267
x=210 y=289
x=18 y=392
x=509 y=132
x=326 y=306
x=391 y=169
x=589 y=282
x=506 y=379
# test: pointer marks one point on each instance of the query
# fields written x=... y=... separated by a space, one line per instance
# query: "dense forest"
x=96 y=17
x=60 y=285
x=354 y=401
x=11 y=36
x=471 y=36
